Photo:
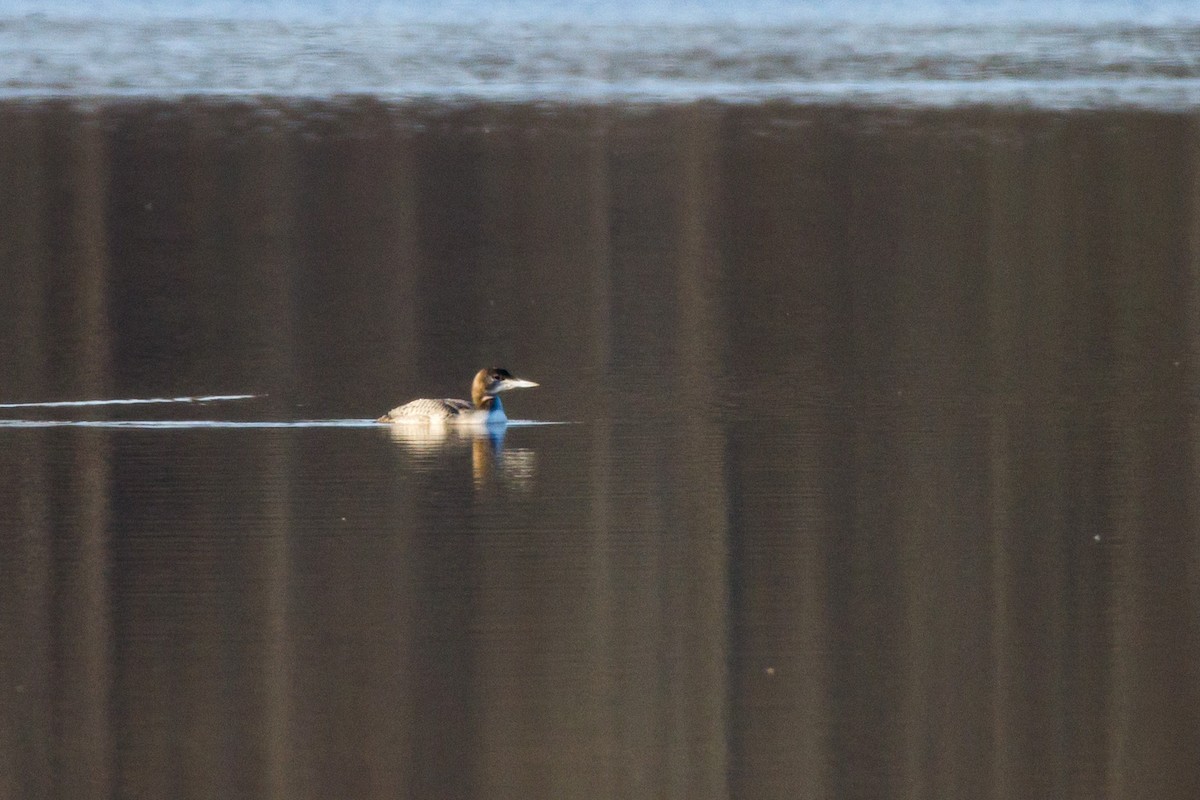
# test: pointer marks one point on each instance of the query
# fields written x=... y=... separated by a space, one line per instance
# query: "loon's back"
x=428 y=409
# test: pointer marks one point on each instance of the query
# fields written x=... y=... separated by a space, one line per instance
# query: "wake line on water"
x=209 y=424
x=159 y=424
x=208 y=398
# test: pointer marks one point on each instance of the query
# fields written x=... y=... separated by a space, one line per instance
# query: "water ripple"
x=1045 y=62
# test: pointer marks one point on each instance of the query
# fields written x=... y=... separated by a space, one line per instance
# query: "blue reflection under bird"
x=484 y=408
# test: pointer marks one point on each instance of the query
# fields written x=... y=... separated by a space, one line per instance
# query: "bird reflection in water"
x=490 y=460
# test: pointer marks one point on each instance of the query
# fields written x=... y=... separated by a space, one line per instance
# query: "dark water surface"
x=881 y=482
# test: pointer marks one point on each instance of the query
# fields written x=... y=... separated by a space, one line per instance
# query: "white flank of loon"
x=484 y=407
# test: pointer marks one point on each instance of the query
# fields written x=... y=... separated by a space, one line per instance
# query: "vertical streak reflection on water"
x=881 y=484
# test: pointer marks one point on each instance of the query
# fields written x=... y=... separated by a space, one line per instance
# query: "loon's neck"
x=495 y=410
x=479 y=394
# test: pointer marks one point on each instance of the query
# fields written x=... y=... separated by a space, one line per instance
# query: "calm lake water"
x=880 y=479
x=877 y=477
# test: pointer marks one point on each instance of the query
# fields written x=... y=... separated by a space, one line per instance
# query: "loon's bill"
x=484 y=407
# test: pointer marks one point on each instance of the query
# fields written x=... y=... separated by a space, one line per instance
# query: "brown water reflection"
x=883 y=482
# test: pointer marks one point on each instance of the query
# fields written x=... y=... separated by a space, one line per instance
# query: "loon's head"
x=490 y=382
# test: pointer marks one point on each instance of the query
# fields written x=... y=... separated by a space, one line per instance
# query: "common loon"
x=484 y=407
